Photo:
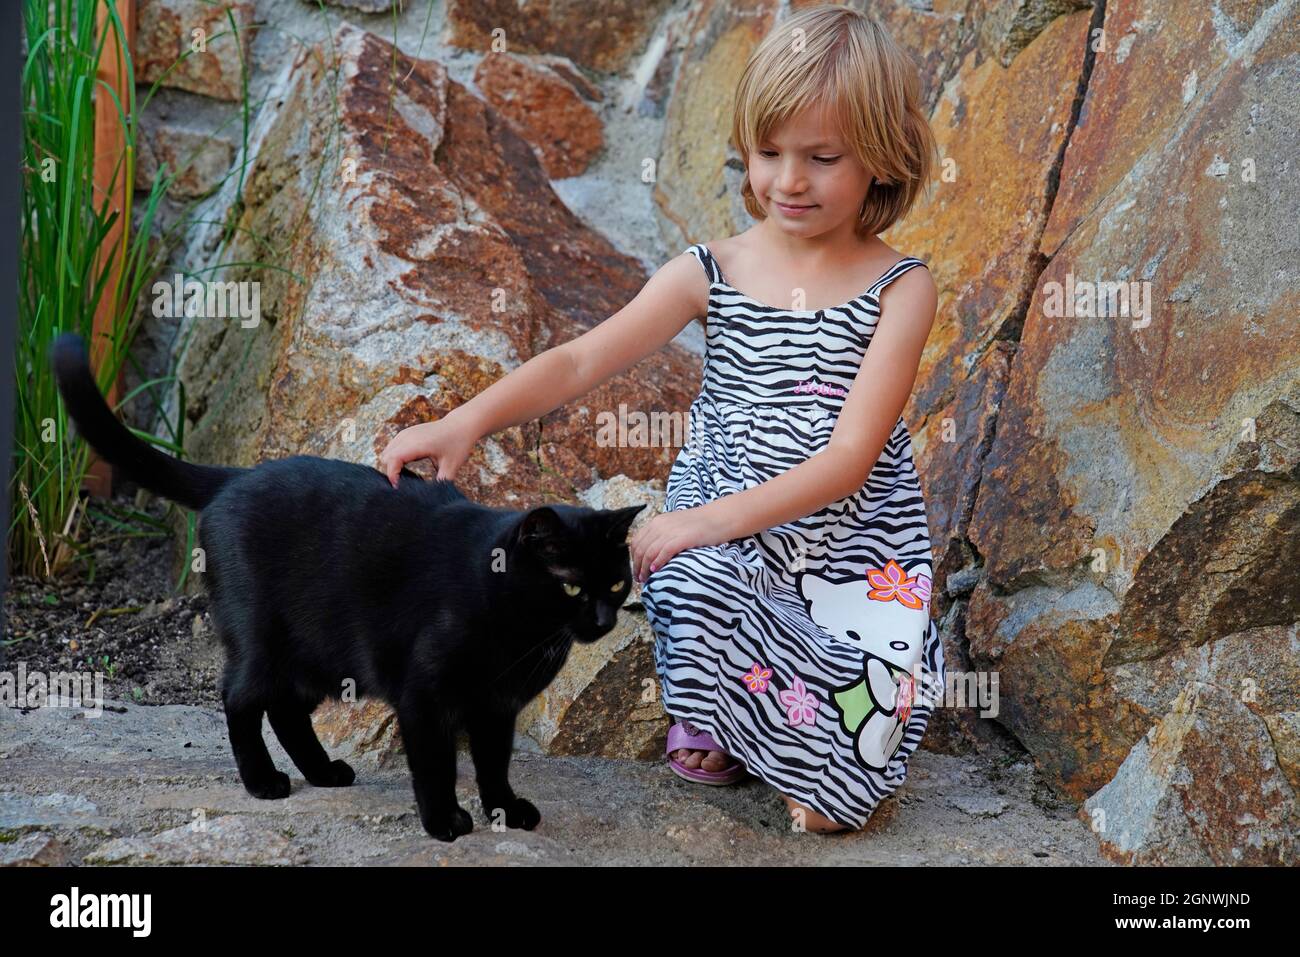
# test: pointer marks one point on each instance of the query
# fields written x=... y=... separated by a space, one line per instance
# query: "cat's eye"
x=570 y=589
x=617 y=586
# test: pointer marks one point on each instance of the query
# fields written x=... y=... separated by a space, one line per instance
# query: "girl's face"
x=805 y=178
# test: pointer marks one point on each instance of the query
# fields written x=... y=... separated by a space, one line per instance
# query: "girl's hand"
x=445 y=442
x=659 y=539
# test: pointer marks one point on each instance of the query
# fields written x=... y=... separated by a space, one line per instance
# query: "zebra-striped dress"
x=806 y=650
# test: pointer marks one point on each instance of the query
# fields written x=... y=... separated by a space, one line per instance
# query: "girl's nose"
x=791 y=182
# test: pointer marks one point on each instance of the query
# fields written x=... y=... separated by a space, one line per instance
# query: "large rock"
x=1011 y=25
x=546 y=100
x=198 y=161
x=1140 y=502
x=1214 y=780
x=1152 y=64
x=423 y=257
x=603 y=36
x=191 y=45
x=1000 y=131
x=698 y=173
x=367 y=728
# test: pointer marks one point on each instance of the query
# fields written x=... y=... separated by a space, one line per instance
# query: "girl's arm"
x=671 y=298
x=677 y=293
x=880 y=390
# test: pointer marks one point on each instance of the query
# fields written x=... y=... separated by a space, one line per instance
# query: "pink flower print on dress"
x=922 y=587
x=892 y=584
x=757 y=678
x=800 y=704
x=906 y=695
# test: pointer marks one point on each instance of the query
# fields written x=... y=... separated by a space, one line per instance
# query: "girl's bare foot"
x=700 y=759
x=812 y=821
x=708 y=760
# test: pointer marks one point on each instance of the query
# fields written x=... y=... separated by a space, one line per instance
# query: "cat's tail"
x=184 y=482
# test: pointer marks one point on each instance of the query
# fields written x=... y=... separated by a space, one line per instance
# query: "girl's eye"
x=826 y=160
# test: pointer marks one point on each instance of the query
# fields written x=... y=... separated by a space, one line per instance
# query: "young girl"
x=787 y=580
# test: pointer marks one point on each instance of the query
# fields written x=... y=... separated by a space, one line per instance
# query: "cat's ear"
x=620 y=520
x=542 y=531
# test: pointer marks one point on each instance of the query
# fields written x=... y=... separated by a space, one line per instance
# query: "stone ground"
x=157 y=784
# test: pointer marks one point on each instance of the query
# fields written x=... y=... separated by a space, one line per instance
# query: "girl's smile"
x=793 y=211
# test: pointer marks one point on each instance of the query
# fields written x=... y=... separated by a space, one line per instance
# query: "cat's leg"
x=491 y=741
x=292 y=725
x=429 y=738
x=244 y=724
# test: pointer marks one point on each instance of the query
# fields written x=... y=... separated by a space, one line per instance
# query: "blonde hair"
x=843 y=60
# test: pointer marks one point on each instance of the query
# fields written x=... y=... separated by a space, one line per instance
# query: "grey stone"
x=33 y=850
x=22 y=812
x=234 y=839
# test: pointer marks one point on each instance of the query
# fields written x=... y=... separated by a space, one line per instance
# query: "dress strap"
x=701 y=252
x=893 y=272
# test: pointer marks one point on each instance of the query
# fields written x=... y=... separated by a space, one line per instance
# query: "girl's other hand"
x=668 y=533
x=445 y=442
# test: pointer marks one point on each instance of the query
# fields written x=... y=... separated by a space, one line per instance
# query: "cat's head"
x=577 y=561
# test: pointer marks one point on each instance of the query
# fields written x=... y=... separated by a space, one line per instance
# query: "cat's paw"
x=448 y=825
x=273 y=788
x=338 y=775
x=519 y=813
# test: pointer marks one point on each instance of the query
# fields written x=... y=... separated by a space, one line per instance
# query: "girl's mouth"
x=793 y=210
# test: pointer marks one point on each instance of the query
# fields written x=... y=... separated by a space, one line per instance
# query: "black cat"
x=325 y=579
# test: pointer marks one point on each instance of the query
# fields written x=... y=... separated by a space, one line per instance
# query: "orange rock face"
x=542 y=100
x=1138 y=512
x=602 y=36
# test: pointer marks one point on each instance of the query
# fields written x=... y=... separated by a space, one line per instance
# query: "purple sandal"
x=683 y=734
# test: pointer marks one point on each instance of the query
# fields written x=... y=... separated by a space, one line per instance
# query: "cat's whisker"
x=527 y=653
x=546 y=657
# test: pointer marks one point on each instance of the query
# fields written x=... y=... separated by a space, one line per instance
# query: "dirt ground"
x=153 y=645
